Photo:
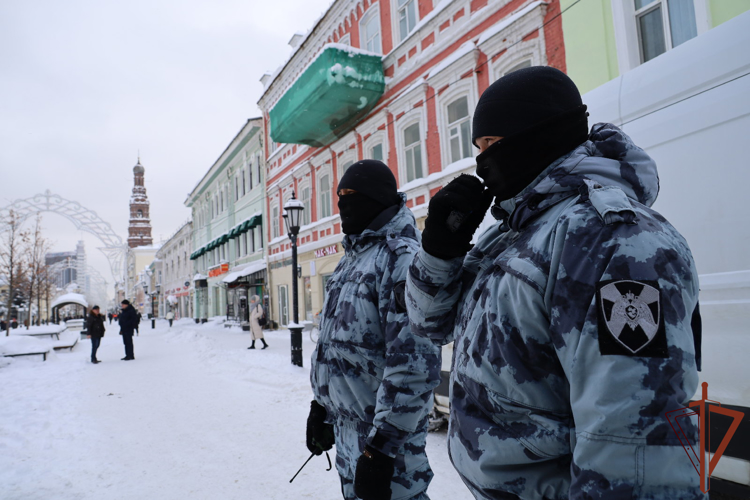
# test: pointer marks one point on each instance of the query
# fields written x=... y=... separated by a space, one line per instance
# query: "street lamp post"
x=292 y=215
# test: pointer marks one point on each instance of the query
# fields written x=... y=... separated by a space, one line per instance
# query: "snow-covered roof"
x=70 y=298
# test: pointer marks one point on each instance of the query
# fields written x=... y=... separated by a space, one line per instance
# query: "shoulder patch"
x=631 y=320
x=399 y=293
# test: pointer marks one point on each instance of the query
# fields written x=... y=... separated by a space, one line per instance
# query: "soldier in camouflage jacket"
x=574 y=327
x=372 y=377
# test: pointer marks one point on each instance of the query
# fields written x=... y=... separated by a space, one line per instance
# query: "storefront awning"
x=335 y=92
x=249 y=269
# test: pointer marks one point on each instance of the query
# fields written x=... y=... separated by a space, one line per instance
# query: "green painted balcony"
x=337 y=90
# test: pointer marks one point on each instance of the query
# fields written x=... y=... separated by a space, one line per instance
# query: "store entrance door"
x=283 y=306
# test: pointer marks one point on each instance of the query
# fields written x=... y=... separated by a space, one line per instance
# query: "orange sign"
x=704 y=469
x=218 y=271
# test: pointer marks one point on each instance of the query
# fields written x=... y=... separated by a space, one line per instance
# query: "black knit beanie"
x=372 y=178
x=522 y=99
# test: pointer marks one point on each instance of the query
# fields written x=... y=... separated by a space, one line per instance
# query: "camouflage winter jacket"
x=572 y=327
x=367 y=367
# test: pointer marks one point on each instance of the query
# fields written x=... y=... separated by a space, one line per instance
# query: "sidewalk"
x=195 y=416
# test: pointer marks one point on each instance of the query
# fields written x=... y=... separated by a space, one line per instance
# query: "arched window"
x=459 y=129
x=324 y=199
x=413 y=152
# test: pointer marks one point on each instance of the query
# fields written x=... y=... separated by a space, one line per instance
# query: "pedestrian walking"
x=257 y=315
x=372 y=379
x=571 y=317
x=128 y=320
x=170 y=318
x=109 y=317
x=95 y=329
x=139 y=317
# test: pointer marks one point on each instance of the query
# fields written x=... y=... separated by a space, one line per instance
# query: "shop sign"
x=322 y=252
x=218 y=271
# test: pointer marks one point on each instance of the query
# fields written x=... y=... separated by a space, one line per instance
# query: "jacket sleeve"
x=433 y=290
x=624 y=446
x=412 y=363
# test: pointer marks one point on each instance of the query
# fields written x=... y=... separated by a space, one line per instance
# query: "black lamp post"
x=292 y=216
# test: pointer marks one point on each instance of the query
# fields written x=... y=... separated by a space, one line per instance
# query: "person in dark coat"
x=139 y=316
x=128 y=320
x=109 y=316
x=95 y=328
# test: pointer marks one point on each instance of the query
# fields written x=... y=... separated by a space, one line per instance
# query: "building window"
x=325 y=197
x=140 y=214
x=663 y=24
x=244 y=183
x=345 y=40
x=305 y=198
x=257 y=169
x=345 y=166
x=376 y=152
x=521 y=65
x=459 y=129
x=369 y=29
x=236 y=188
x=250 y=175
x=407 y=17
x=413 y=152
x=275 y=222
x=260 y=239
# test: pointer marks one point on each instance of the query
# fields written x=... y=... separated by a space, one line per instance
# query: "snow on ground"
x=195 y=416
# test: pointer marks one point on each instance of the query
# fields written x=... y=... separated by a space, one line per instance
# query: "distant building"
x=69 y=267
x=141 y=248
x=139 y=227
x=229 y=208
x=176 y=274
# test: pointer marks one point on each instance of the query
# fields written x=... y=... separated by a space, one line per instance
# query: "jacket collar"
x=609 y=158
x=401 y=224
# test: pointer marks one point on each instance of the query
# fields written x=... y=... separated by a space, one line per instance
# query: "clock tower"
x=139 y=227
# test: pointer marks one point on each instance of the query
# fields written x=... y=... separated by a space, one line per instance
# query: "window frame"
x=402 y=148
x=275 y=220
x=372 y=13
x=307 y=212
x=448 y=125
x=321 y=193
x=396 y=9
x=627 y=35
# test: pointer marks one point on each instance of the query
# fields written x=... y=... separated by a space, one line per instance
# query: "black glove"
x=454 y=214
x=320 y=436
x=372 y=479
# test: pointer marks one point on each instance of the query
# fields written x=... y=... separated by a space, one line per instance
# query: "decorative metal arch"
x=83 y=218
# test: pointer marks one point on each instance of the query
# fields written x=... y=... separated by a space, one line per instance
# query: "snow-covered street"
x=195 y=416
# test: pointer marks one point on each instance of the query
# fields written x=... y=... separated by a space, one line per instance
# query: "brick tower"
x=139 y=228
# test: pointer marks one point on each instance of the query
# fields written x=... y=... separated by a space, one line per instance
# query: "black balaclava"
x=376 y=190
x=539 y=113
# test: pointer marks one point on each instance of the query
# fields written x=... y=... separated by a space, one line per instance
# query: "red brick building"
x=437 y=59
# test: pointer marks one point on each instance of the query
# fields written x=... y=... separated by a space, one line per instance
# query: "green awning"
x=223 y=239
x=336 y=91
x=234 y=232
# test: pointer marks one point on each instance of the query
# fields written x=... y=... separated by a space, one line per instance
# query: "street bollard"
x=153 y=323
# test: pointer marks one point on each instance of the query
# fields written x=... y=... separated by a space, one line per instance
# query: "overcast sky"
x=85 y=84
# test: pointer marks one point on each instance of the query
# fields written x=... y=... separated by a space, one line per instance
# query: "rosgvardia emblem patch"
x=631 y=319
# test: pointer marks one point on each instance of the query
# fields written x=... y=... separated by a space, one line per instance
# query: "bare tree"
x=13 y=243
x=38 y=248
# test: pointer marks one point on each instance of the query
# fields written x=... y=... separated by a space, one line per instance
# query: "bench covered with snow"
x=68 y=341
x=40 y=331
x=21 y=345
